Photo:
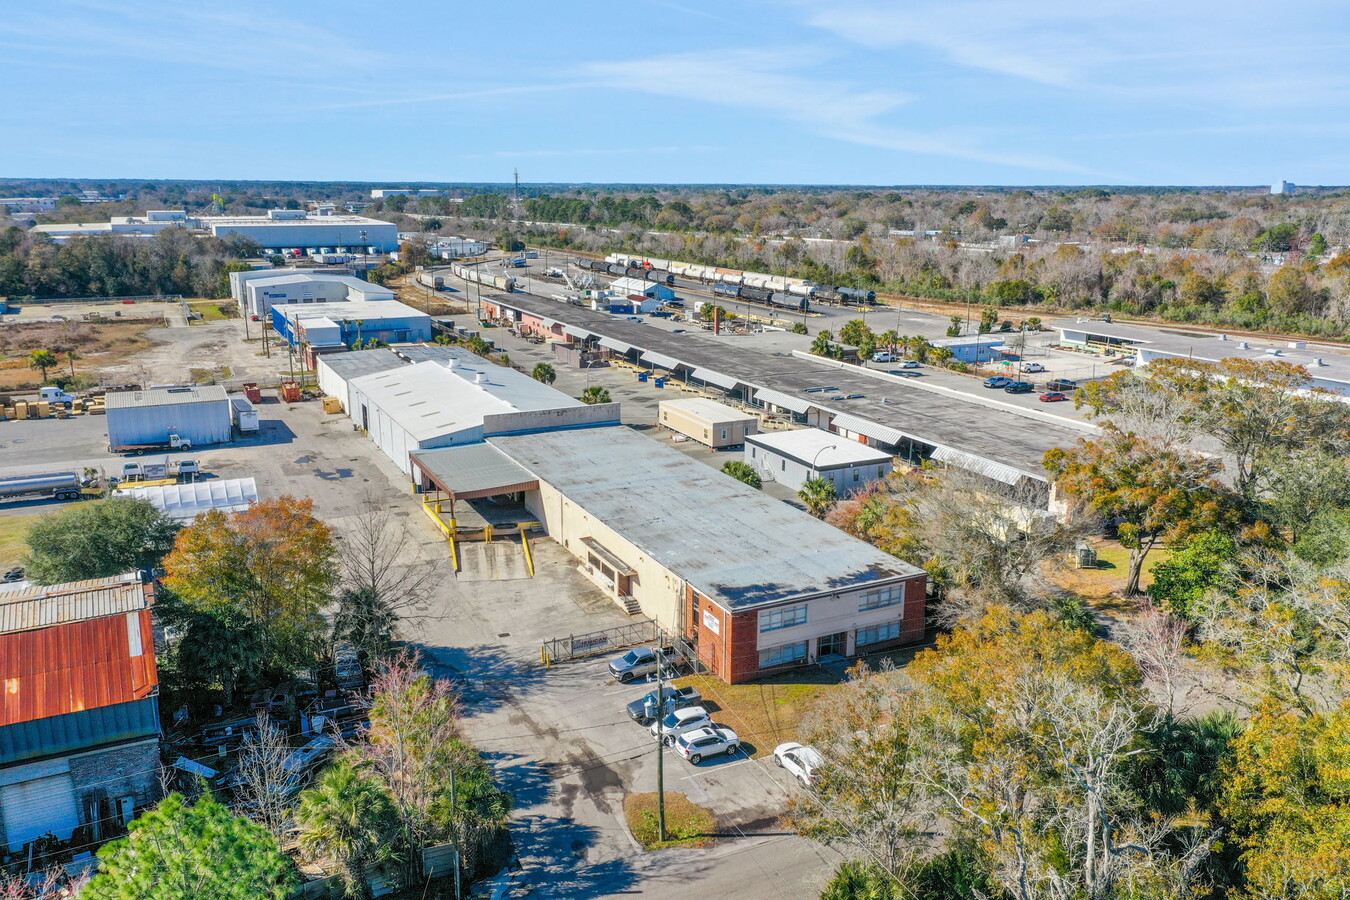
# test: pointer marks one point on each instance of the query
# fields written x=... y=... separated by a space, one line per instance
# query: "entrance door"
x=832 y=645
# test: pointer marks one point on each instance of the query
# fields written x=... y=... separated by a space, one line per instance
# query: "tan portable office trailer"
x=708 y=422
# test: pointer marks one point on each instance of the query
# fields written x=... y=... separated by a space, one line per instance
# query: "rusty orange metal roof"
x=77 y=666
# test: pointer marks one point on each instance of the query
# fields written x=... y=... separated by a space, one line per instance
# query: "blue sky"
x=757 y=91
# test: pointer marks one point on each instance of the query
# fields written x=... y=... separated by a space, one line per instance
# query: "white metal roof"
x=431 y=399
x=980 y=466
x=859 y=425
x=205 y=393
x=811 y=446
x=613 y=343
x=187 y=501
x=660 y=359
x=717 y=378
x=709 y=410
x=770 y=397
x=351 y=310
x=40 y=606
x=632 y=285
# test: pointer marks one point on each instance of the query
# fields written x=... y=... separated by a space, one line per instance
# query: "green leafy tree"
x=181 y=851
x=743 y=472
x=1317 y=245
x=595 y=394
x=218 y=648
x=819 y=495
x=348 y=817
x=1155 y=491
x=856 y=333
x=823 y=345
x=798 y=328
x=1203 y=563
x=544 y=372
x=98 y=540
x=954 y=329
x=44 y=360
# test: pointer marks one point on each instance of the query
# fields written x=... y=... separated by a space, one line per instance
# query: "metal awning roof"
x=660 y=359
x=576 y=332
x=717 y=378
x=777 y=398
x=476 y=470
x=615 y=344
x=608 y=558
x=859 y=425
x=185 y=502
x=549 y=323
x=980 y=466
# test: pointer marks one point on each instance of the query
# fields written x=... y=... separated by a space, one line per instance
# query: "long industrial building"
x=278 y=229
x=200 y=415
x=1000 y=443
x=751 y=583
x=275 y=288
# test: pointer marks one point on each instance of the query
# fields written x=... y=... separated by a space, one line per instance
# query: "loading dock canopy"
x=980 y=466
x=608 y=558
x=874 y=430
x=478 y=470
x=660 y=359
x=771 y=397
x=615 y=344
x=717 y=378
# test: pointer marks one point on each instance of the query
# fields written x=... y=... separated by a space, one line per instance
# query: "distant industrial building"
x=28 y=204
x=792 y=458
x=262 y=293
x=295 y=229
x=185 y=502
x=1330 y=369
x=279 y=229
x=381 y=193
x=713 y=424
x=454 y=247
x=1283 y=187
x=629 y=287
x=754 y=585
x=459 y=400
x=336 y=326
x=199 y=414
x=79 y=715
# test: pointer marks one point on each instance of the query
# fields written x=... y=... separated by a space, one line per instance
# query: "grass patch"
x=209 y=376
x=764 y=713
x=1101 y=586
x=98 y=345
x=213 y=310
x=14 y=538
x=687 y=823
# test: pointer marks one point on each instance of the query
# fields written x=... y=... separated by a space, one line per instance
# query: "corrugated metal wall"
x=203 y=422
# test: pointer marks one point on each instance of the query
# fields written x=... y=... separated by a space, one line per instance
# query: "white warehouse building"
x=459 y=401
x=199 y=414
x=792 y=458
x=296 y=229
x=260 y=294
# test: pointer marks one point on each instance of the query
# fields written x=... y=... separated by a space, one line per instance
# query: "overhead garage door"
x=33 y=808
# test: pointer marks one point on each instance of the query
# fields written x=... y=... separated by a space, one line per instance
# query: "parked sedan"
x=695 y=746
x=909 y=364
x=691 y=718
x=801 y=761
x=1052 y=397
x=997 y=381
x=1019 y=387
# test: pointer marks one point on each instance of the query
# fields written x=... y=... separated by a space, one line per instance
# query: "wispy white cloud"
x=771 y=84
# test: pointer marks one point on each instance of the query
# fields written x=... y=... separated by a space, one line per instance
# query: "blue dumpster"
x=660 y=382
x=642 y=376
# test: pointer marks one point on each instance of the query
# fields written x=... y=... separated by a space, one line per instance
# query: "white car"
x=1033 y=367
x=909 y=364
x=681 y=720
x=696 y=746
x=883 y=356
x=801 y=761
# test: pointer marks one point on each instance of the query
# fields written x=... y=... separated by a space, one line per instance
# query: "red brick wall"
x=742 y=641
x=912 y=625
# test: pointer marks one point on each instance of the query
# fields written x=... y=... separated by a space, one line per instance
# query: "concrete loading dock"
x=713 y=424
x=199 y=415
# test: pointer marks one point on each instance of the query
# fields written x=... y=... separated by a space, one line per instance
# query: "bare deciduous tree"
x=1157 y=641
x=265 y=788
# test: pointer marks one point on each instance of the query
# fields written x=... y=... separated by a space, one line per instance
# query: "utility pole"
x=660 y=743
x=515 y=195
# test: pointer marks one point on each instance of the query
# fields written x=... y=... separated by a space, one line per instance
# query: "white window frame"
x=783 y=654
x=778 y=617
x=890 y=595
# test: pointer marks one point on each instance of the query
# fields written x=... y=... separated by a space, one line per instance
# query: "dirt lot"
x=97 y=346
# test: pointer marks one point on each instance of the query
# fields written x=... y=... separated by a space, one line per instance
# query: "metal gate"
x=579 y=646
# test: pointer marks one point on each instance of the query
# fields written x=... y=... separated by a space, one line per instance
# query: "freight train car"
x=480 y=275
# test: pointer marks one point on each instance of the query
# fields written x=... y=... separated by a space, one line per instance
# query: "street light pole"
x=816 y=458
x=660 y=745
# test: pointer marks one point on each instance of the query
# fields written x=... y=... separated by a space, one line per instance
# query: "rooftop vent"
x=1298 y=345
x=478 y=378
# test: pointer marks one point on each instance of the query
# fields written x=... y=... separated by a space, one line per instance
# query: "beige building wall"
x=729 y=431
x=656 y=590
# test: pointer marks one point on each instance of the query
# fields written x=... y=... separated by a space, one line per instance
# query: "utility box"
x=1087 y=557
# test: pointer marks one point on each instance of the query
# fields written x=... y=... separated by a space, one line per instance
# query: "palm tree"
x=44 y=360
x=823 y=344
x=348 y=817
x=889 y=339
x=594 y=395
x=544 y=372
x=920 y=348
x=819 y=495
x=941 y=354
x=71 y=356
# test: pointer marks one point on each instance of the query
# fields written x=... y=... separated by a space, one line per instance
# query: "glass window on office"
x=887 y=596
x=878 y=633
x=783 y=617
x=781 y=656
